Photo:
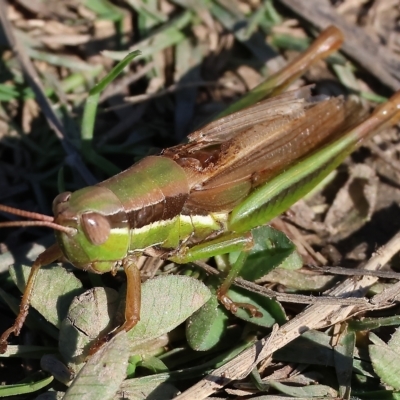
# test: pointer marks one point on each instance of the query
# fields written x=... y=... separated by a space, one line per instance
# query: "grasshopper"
x=203 y=198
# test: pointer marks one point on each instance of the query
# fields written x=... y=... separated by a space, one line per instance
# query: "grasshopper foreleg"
x=132 y=303
x=50 y=255
x=133 y=294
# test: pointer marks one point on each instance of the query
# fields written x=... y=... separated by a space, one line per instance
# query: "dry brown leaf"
x=30 y=111
x=354 y=203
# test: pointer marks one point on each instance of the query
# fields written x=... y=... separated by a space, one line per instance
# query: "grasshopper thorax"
x=101 y=227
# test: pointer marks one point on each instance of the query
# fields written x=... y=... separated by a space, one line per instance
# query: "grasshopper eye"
x=96 y=227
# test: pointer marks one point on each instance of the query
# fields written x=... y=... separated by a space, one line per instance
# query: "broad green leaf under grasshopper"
x=204 y=198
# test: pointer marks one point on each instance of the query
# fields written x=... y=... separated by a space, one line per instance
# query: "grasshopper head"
x=101 y=240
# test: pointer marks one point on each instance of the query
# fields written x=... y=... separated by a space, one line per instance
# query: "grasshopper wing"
x=227 y=158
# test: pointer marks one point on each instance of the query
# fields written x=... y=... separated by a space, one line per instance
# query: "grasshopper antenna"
x=36 y=220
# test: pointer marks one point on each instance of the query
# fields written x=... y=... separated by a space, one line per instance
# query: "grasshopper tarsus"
x=104 y=339
x=252 y=310
x=4 y=337
x=233 y=307
x=99 y=343
x=14 y=329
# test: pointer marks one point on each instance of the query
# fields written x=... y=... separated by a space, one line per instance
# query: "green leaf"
x=206 y=327
x=90 y=314
x=24 y=388
x=305 y=391
x=51 y=364
x=272 y=249
x=271 y=310
x=167 y=301
x=374 y=323
x=102 y=375
x=312 y=347
x=343 y=359
x=394 y=341
x=54 y=290
x=297 y=280
x=104 y=9
x=148 y=387
x=8 y=92
x=386 y=364
x=154 y=364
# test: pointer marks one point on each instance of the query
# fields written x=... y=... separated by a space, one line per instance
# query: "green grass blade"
x=89 y=116
x=24 y=388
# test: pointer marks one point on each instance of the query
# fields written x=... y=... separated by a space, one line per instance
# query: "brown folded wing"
x=230 y=156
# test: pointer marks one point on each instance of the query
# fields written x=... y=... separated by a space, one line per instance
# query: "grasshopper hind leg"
x=222 y=292
x=223 y=244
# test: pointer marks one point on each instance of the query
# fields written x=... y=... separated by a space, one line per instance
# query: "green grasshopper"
x=204 y=197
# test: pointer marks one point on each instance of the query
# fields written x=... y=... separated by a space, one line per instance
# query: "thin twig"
x=299 y=298
x=387 y=297
x=356 y=272
x=284 y=297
